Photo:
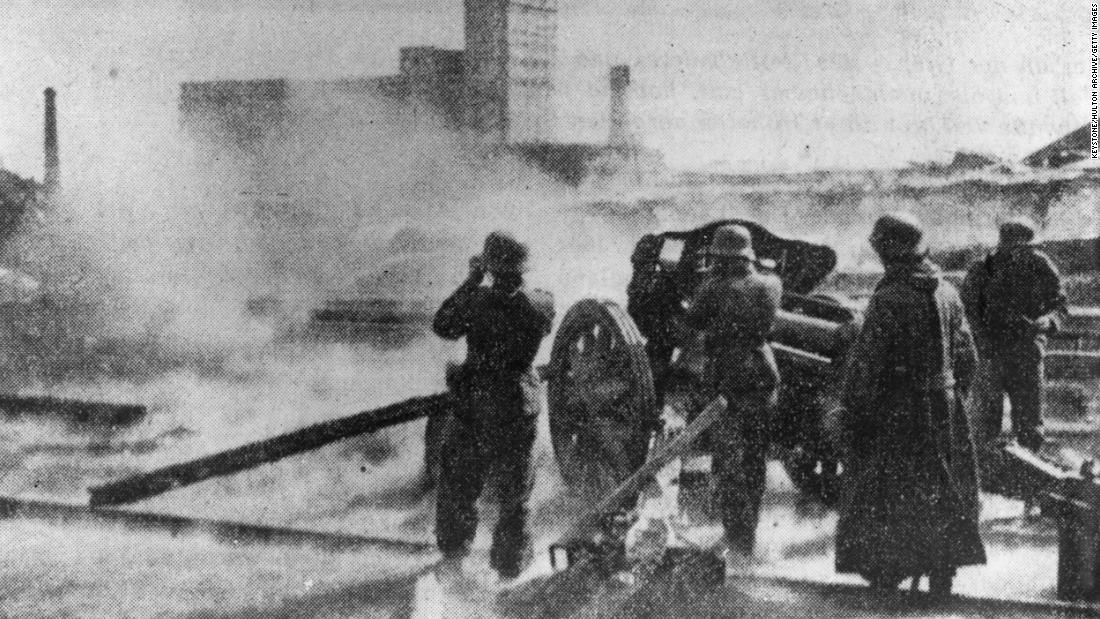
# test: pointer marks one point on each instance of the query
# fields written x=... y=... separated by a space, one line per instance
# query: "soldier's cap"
x=898 y=235
x=1017 y=230
x=503 y=254
x=732 y=242
x=648 y=249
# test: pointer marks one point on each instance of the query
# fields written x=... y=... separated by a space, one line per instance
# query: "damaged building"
x=500 y=88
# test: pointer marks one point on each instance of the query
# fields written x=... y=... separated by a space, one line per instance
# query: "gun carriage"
x=601 y=384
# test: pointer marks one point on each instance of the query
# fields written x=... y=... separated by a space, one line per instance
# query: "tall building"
x=511 y=46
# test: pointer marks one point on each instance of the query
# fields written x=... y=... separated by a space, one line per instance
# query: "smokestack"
x=51 y=174
x=619 y=135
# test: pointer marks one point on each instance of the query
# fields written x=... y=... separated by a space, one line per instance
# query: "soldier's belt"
x=935 y=382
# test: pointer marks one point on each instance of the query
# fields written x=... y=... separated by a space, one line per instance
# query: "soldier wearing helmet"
x=735 y=308
x=910 y=505
x=497 y=402
x=1014 y=299
x=898 y=237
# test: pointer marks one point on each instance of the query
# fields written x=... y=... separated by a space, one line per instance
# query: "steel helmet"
x=504 y=254
x=732 y=242
x=898 y=235
x=647 y=250
x=1017 y=230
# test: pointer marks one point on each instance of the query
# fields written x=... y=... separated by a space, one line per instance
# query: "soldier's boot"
x=509 y=560
x=1030 y=438
x=450 y=567
x=940 y=583
x=738 y=560
x=1024 y=384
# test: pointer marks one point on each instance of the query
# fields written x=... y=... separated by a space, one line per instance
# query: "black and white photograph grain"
x=551 y=309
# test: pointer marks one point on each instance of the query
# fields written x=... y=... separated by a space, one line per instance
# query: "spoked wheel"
x=600 y=395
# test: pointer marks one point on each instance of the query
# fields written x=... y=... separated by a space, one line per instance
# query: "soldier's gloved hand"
x=1023 y=326
x=679 y=332
x=672 y=427
x=1044 y=325
x=477 y=269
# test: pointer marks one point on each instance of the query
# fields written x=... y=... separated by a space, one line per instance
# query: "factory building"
x=499 y=89
x=430 y=83
x=621 y=159
x=498 y=93
x=241 y=114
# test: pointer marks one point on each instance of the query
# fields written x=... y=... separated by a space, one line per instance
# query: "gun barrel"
x=801 y=358
x=813 y=335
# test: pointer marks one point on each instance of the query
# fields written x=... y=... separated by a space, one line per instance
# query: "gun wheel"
x=602 y=406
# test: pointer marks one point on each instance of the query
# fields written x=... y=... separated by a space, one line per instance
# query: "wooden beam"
x=73 y=411
x=248 y=456
x=1066 y=365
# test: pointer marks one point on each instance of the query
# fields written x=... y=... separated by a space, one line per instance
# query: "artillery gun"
x=603 y=402
x=601 y=385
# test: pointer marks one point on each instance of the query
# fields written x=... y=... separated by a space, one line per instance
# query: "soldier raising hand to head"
x=497 y=402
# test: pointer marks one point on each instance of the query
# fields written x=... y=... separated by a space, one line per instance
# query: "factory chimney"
x=51 y=174
x=619 y=135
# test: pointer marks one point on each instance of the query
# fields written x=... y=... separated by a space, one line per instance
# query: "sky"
x=745 y=84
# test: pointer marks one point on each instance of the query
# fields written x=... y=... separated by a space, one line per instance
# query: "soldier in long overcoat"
x=911 y=503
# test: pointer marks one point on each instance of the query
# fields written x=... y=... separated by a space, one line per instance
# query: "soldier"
x=910 y=505
x=1014 y=299
x=497 y=403
x=735 y=307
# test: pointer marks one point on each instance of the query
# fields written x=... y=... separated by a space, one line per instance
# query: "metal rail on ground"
x=228 y=531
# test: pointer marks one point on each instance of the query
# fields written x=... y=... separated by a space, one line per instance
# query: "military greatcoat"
x=911 y=502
